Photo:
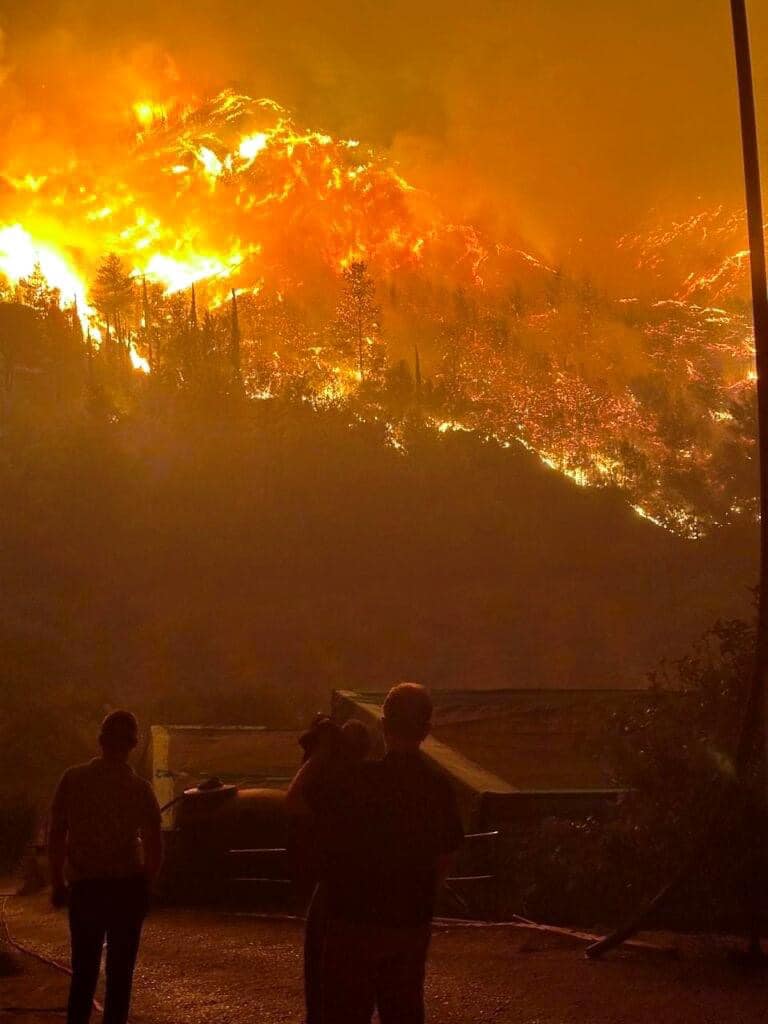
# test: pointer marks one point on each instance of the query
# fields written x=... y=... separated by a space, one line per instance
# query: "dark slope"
x=239 y=570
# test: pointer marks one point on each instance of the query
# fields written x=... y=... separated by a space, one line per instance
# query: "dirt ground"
x=209 y=967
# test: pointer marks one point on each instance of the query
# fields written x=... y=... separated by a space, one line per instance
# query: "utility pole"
x=755 y=733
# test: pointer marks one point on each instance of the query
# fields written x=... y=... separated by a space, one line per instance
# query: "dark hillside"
x=194 y=561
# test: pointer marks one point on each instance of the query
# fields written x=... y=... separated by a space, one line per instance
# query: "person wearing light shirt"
x=105 y=850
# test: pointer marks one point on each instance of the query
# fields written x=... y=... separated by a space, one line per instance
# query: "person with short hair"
x=389 y=832
x=105 y=850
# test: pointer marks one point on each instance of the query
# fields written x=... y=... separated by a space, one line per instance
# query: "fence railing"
x=475 y=891
x=480 y=852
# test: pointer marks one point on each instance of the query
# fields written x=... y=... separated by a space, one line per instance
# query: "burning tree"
x=357 y=321
x=35 y=292
x=113 y=295
x=151 y=319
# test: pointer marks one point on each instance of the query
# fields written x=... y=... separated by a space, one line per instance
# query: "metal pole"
x=755 y=732
x=755 y=727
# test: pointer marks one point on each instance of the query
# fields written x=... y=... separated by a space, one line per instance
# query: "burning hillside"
x=228 y=190
x=317 y=270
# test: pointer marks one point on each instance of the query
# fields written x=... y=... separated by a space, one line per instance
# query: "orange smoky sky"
x=568 y=121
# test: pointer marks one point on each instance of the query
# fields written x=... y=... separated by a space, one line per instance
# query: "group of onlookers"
x=382 y=833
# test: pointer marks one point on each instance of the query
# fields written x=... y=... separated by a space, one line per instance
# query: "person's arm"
x=306 y=793
x=57 y=843
x=152 y=838
x=304 y=781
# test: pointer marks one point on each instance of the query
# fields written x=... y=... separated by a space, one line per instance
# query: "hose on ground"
x=35 y=955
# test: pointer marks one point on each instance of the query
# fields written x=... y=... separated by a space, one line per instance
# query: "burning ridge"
x=345 y=275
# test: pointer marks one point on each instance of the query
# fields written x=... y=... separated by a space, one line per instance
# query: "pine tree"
x=154 y=320
x=357 y=319
x=208 y=336
x=234 y=336
x=35 y=292
x=89 y=354
x=112 y=294
x=146 y=328
x=77 y=327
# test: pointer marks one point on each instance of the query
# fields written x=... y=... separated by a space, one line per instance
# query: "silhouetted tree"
x=234 y=335
x=112 y=294
x=357 y=318
x=35 y=292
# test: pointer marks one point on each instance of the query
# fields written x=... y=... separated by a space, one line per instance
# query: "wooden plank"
x=162 y=779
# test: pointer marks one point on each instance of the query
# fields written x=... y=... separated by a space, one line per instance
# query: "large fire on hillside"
x=230 y=191
x=650 y=393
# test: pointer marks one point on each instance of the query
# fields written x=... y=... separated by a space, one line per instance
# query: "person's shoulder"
x=73 y=781
x=78 y=772
x=435 y=776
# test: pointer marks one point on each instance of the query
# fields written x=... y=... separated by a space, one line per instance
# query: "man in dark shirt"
x=388 y=833
x=105 y=849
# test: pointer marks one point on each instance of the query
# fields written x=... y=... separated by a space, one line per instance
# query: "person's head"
x=357 y=739
x=119 y=734
x=407 y=716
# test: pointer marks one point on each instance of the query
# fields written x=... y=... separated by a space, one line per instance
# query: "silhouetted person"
x=347 y=749
x=388 y=830
x=105 y=849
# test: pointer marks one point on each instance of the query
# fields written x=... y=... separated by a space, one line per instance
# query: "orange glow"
x=147 y=112
x=231 y=193
x=252 y=145
x=20 y=253
x=208 y=187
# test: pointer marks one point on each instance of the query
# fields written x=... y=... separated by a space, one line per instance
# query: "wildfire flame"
x=20 y=253
x=231 y=189
x=232 y=193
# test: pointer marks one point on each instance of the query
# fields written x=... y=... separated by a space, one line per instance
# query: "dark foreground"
x=204 y=967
